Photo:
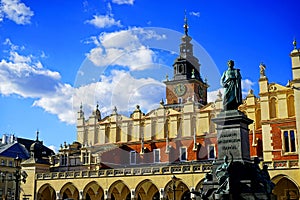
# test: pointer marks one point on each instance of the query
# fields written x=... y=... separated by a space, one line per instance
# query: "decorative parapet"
x=136 y=171
x=155 y=170
x=282 y=164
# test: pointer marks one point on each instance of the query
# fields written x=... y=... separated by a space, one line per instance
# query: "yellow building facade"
x=166 y=153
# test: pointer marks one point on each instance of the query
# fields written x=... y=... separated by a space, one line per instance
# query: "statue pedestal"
x=233 y=135
x=234 y=176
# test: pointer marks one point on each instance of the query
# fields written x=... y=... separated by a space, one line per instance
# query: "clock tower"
x=187 y=83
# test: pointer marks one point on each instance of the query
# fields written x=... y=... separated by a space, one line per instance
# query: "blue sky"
x=55 y=54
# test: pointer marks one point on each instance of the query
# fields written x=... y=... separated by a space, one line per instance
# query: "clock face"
x=180 y=89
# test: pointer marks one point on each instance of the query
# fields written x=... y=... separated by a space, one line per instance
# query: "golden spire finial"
x=185 y=26
x=295 y=43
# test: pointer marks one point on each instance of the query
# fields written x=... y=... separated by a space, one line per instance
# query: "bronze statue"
x=231 y=81
x=222 y=174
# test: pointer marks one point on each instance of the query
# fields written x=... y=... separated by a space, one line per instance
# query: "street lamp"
x=173 y=188
x=17 y=176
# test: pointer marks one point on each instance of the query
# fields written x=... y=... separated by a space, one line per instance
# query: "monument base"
x=233 y=134
x=234 y=176
x=242 y=181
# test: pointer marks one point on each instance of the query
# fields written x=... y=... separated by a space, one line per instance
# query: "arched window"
x=273 y=108
x=291 y=106
x=180 y=68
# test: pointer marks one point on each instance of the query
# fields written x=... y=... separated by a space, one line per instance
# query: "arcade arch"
x=146 y=190
x=285 y=187
x=46 y=192
x=69 y=191
x=119 y=191
x=93 y=191
x=178 y=188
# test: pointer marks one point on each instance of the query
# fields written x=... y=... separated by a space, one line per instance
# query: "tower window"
x=180 y=100
x=289 y=141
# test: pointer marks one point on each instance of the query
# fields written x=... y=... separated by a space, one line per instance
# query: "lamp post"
x=174 y=180
x=17 y=176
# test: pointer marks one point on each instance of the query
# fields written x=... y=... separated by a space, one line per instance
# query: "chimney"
x=11 y=139
x=4 y=139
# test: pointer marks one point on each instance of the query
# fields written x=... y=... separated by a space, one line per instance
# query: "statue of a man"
x=223 y=175
x=231 y=81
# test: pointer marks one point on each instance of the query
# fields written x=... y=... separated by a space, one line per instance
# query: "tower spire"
x=37 y=135
x=185 y=26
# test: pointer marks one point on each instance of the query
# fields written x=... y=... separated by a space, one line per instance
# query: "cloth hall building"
x=165 y=154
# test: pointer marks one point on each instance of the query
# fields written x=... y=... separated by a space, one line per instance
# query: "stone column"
x=58 y=195
x=81 y=195
x=132 y=194
x=161 y=193
x=106 y=194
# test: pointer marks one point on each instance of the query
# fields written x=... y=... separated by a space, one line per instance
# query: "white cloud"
x=104 y=21
x=197 y=14
x=15 y=11
x=53 y=148
x=22 y=76
x=12 y=46
x=212 y=96
x=246 y=86
x=120 y=2
x=122 y=90
x=59 y=103
x=124 y=48
x=25 y=76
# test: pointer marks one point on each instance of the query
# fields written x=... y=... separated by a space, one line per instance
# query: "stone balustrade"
x=134 y=171
x=152 y=170
x=282 y=164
